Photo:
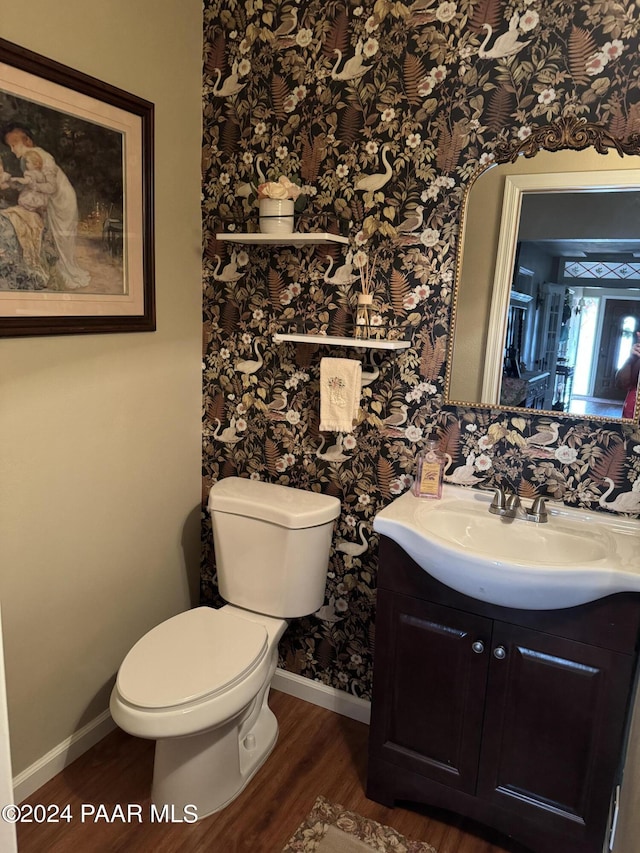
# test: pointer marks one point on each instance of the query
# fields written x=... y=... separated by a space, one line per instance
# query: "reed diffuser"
x=362 y=325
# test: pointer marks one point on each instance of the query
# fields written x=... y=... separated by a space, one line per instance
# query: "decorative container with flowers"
x=276 y=200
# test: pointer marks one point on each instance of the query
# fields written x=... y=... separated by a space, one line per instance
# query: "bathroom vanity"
x=511 y=716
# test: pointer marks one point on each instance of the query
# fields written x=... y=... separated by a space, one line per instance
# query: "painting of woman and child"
x=61 y=202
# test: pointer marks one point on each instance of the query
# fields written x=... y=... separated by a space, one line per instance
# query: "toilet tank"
x=272 y=545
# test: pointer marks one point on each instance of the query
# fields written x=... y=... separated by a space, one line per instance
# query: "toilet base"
x=210 y=769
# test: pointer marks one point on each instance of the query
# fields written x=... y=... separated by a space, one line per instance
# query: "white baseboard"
x=319 y=694
x=54 y=762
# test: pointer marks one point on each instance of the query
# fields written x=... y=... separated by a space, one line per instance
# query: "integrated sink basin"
x=576 y=557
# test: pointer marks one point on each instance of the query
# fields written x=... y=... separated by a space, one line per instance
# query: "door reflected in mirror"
x=547 y=300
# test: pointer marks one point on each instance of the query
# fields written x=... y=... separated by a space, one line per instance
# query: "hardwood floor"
x=318 y=753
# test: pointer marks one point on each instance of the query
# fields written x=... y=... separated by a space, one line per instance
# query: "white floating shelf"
x=294 y=239
x=329 y=341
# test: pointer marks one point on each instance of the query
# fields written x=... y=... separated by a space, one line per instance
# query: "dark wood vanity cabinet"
x=513 y=718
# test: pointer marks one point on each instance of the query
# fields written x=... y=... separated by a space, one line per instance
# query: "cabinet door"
x=555 y=714
x=428 y=692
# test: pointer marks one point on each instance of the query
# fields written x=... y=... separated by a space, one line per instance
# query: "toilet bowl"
x=198 y=683
x=204 y=717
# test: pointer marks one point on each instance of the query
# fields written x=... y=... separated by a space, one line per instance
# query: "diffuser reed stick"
x=365 y=297
x=366 y=272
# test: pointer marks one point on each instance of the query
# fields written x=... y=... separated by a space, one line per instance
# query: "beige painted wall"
x=100 y=434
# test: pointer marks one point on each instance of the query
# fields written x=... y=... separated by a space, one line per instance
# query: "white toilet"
x=199 y=682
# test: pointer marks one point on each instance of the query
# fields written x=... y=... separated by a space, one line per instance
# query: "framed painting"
x=76 y=202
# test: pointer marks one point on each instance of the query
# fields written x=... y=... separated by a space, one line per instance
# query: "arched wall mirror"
x=547 y=298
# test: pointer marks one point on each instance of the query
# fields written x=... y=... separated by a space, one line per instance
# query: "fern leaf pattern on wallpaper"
x=450 y=441
x=337 y=37
x=312 y=157
x=581 y=48
x=611 y=464
x=279 y=94
x=486 y=12
x=276 y=287
x=341 y=322
x=350 y=124
x=230 y=317
x=414 y=73
x=527 y=490
x=449 y=147
x=625 y=119
x=433 y=357
x=207 y=336
x=271 y=456
x=385 y=477
x=214 y=409
x=499 y=107
x=214 y=59
x=212 y=247
x=399 y=290
x=230 y=136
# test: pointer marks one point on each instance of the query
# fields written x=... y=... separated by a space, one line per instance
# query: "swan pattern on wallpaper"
x=230 y=86
x=463 y=475
x=251 y=365
x=229 y=435
x=327 y=613
x=246 y=189
x=373 y=183
x=369 y=376
x=507 y=44
x=333 y=453
x=352 y=68
x=354 y=549
x=229 y=273
x=343 y=274
x=625 y=501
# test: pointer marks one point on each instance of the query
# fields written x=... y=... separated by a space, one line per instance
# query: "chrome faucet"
x=508 y=505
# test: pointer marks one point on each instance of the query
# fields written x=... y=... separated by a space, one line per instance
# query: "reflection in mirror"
x=547 y=302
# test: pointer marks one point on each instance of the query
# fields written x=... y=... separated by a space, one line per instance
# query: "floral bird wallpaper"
x=383 y=111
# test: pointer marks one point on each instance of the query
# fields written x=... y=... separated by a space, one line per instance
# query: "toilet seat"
x=191 y=658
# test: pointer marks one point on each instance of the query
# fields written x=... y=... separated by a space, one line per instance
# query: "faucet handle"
x=497 y=505
x=499 y=499
x=539 y=510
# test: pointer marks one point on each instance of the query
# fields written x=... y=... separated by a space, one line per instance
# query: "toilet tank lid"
x=283 y=505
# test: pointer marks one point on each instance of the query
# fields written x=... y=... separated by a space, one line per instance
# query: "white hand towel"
x=340 y=390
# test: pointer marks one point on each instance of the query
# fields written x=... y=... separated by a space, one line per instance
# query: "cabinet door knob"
x=478 y=647
x=500 y=652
